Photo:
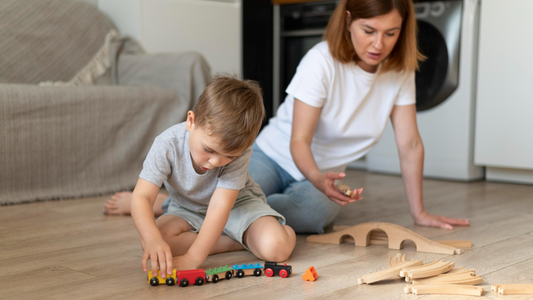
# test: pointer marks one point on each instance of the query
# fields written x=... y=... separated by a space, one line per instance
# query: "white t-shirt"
x=355 y=108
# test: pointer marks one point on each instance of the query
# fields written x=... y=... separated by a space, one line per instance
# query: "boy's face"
x=206 y=152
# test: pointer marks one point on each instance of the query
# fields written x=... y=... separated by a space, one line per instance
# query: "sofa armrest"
x=63 y=142
x=186 y=73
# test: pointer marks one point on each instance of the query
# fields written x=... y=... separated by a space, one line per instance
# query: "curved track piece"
x=389 y=273
x=464 y=277
x=397 y=260
x=432 y=269
x=396 y=235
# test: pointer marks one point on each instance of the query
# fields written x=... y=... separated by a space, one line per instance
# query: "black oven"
x=297 y=28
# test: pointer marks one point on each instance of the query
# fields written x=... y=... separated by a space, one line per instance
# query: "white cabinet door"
x=504 y=112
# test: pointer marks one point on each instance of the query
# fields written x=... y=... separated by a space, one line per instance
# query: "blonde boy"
x=203 y=163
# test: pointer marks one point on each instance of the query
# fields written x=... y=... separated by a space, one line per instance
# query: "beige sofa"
x=80 y=105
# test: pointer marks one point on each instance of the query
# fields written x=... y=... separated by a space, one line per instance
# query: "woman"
x=344 y=91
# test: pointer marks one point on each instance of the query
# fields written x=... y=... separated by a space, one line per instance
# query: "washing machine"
x=445 y=92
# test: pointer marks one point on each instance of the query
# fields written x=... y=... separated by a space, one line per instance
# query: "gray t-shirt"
x=169 y=161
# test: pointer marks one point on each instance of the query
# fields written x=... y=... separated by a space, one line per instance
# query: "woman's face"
x=373 y=39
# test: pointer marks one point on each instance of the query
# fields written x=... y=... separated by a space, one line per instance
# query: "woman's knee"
x=314 y=210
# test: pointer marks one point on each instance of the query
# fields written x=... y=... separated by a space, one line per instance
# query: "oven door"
x=294 y=46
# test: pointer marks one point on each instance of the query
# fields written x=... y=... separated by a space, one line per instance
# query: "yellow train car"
x=157 y=280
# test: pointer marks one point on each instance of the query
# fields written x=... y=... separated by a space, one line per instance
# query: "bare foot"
x=120 y=204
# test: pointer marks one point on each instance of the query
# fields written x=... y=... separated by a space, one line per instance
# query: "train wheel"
x=258 y=272
x=154 y=281
x=215 y=279
x=184 y=282
x=240 y=274
x=283 y=273
x=229 y=275
x=170 y=281
x=269 y=272
x=199 y=281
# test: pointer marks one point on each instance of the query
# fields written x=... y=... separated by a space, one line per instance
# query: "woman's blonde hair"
x=231 y=110
x=404 y=55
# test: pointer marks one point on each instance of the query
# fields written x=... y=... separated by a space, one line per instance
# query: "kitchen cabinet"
x=504 y=109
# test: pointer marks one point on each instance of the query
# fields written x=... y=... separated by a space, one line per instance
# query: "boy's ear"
x=189 y=125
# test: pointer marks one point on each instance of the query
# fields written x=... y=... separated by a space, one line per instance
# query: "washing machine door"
x=438 y=40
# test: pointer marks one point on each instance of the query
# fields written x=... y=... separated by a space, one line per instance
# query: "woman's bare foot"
x=120 y=204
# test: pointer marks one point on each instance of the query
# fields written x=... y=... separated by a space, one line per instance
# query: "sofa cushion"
x=48 y=40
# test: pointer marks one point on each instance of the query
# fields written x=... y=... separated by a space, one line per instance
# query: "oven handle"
x=303 y=33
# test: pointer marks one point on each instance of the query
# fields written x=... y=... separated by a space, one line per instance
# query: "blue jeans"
x=305 y=208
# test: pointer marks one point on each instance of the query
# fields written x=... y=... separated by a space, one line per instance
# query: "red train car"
x=186 y=277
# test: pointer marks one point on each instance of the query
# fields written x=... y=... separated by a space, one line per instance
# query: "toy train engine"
x=272 y=268
x=250 y=269
x=218 y=273
x=190 y=276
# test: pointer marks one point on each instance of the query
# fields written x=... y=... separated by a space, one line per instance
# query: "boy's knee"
x=278 y=248
x=168 y=232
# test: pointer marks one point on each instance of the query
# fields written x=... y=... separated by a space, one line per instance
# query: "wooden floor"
x=68 y=250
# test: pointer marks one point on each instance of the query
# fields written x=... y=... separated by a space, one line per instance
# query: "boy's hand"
x=158 y=251
x=186 y=262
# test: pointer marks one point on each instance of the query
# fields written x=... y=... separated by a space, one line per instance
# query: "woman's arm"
x=411 y=151
x=305 y=118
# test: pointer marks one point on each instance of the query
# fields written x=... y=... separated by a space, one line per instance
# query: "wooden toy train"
x=199 y=276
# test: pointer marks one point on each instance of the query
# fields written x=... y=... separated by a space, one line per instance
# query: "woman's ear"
x=348 y=20
x=189 y=125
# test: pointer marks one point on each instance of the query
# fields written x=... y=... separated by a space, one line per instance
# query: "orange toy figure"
x=310 y=274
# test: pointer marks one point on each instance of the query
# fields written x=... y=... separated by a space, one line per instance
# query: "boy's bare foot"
x=120 y=204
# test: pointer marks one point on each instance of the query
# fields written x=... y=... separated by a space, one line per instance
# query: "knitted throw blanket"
x=59 y=42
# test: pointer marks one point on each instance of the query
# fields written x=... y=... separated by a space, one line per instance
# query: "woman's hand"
x=186 y=262
x=326 y=184
x=160 y=256
x=426 y=219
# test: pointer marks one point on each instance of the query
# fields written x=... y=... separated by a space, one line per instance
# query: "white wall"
x=211 y=27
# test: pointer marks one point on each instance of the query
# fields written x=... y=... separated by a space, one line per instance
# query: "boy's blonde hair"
x=231 y=110
x=405 y=54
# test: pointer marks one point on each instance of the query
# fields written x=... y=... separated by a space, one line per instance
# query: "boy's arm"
x=216 y=218
x=155 y=248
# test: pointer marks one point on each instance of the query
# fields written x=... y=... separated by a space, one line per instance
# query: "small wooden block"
x=348 y=191
x=513 y=289
x=447 y=289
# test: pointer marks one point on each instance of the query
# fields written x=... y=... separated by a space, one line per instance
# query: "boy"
x=203 y=163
